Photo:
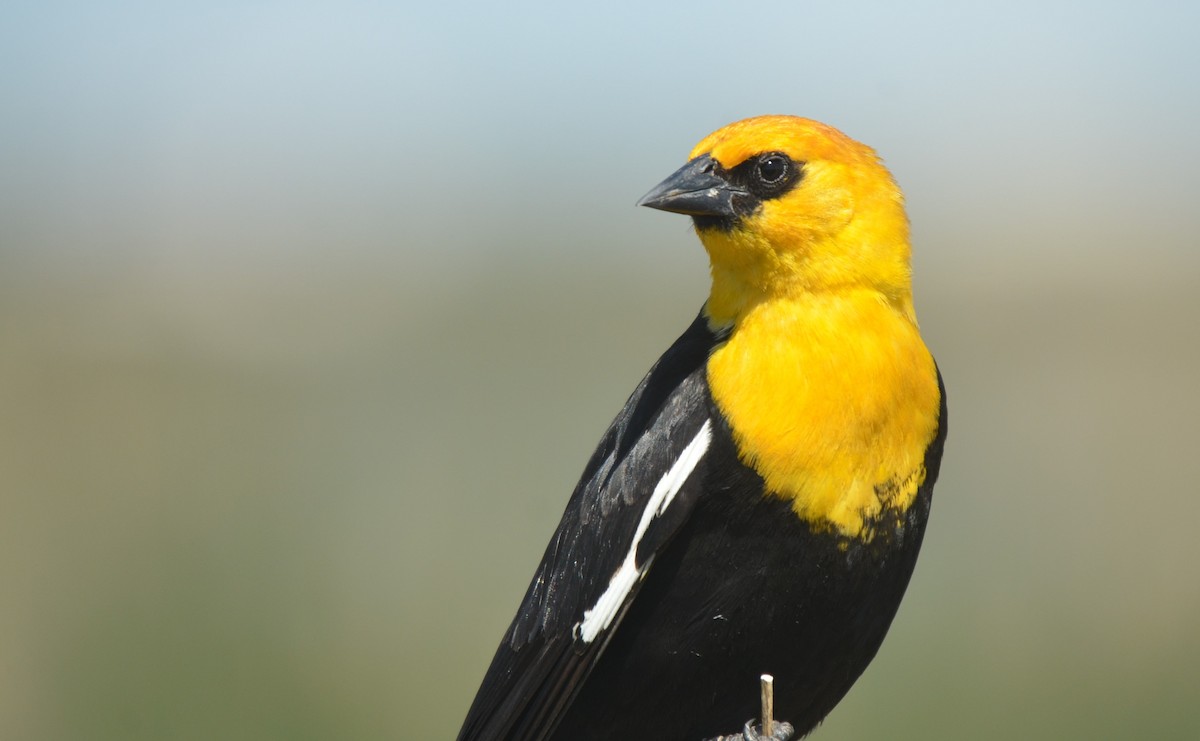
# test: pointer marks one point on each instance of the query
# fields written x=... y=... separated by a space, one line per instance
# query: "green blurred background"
x=311 y=314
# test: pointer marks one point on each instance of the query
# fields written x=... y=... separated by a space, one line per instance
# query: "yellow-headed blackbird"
x=758 y=504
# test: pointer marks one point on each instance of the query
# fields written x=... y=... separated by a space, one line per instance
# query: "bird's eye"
x=773 y=168
x=765 y=176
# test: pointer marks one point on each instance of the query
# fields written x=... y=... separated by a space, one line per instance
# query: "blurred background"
x=310 y=315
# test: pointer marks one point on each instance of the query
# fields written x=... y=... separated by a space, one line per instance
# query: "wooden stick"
x=768 y=705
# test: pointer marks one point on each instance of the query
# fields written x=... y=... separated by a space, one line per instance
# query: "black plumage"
x=730 y=566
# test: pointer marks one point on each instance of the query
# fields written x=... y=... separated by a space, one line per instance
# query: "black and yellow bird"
x=758 y=504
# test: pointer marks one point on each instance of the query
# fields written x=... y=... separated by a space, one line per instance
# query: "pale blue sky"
x=353 y=129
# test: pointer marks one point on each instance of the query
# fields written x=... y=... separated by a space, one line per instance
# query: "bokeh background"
x=310 y=315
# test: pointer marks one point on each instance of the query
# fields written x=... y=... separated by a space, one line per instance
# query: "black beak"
x=697 y=189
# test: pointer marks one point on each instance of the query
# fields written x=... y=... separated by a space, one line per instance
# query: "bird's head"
x=788 y=206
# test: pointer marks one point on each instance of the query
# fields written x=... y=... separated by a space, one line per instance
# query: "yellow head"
x=786 y=205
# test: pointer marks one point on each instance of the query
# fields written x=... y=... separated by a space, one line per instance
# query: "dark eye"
x=773 y=168
x=765 y=176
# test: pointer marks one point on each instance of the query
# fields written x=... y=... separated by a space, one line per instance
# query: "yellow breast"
x=832 y=399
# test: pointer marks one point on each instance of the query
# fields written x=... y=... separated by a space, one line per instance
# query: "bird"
x=759 y=502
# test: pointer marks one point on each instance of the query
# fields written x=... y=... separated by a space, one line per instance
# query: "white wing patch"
x=606 y=608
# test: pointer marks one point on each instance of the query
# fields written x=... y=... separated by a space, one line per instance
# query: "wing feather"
x=543 y=660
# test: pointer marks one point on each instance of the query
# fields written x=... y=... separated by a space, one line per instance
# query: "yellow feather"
x=826 y=383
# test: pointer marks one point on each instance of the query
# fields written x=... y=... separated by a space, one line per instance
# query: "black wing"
x=560 y=630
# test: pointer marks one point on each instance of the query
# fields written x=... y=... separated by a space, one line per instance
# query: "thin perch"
x=768 y=705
